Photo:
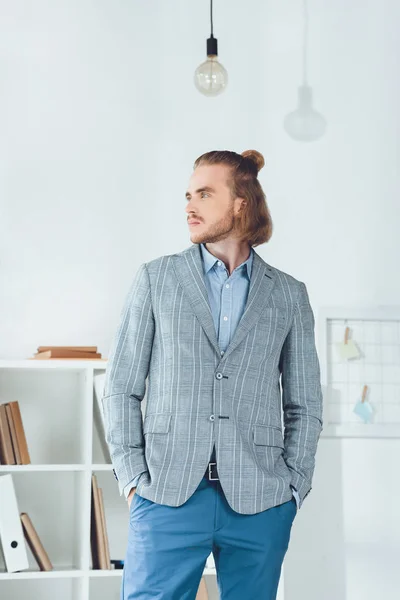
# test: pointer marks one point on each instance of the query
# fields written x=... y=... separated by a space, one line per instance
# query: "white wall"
x=100 y=124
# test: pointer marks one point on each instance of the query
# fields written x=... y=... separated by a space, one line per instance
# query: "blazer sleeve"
x=125 y=381
x=302 y=399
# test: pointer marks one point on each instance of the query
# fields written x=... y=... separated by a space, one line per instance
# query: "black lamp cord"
x=212 y=42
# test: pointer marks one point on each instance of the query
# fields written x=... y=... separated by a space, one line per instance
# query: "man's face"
x=209 y=201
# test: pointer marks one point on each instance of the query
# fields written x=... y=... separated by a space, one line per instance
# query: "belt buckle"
x=209 y=472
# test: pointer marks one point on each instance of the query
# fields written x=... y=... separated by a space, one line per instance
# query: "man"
x=220 y=334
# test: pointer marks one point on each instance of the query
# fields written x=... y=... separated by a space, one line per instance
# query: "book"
x=61 y=353
x=77 y=348
x=7 y=456
x=21 y=445
x=97 y=531
x=35 y=544
x=104 y=529
x=13 y=444
x=13 y=434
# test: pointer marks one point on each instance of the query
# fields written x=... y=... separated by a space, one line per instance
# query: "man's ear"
x=242 y=205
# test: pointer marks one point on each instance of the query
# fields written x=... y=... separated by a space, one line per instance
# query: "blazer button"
x=219 y=376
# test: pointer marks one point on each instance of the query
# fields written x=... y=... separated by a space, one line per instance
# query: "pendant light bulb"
x=211 y=78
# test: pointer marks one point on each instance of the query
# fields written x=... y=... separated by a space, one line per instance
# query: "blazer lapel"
x=188 y=267
x=262 y=281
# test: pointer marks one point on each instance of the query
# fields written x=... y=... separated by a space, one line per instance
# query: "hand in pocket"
x=130 y=496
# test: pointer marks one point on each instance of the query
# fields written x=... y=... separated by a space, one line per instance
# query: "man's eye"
x=202 y=194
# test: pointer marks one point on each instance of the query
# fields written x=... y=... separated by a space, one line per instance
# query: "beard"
x=217 y=231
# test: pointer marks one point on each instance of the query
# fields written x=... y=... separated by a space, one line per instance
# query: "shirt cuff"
x=296 y=495
x=130 y=485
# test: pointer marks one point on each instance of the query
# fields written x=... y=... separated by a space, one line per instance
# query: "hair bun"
x=256 y=157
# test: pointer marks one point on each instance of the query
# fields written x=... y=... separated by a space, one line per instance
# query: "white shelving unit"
x=56 y=401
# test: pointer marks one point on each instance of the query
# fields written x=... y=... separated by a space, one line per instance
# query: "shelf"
x=68 y=572
x=32 y=574
x=54 y=364
x=49 y=467
x=57 y=467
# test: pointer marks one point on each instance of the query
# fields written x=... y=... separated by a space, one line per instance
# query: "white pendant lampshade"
x=305 y=124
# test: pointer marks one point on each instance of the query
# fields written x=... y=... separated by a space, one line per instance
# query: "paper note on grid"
x=348 y=350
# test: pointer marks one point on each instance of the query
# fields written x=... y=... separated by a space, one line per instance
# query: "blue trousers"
x=168 y=547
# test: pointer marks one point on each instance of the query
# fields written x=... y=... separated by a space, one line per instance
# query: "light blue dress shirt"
x=227 y=296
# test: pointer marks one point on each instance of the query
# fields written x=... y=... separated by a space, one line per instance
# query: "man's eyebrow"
x=202 y=189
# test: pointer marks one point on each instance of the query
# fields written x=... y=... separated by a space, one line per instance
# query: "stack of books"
x=13 y=444
x=75 y=352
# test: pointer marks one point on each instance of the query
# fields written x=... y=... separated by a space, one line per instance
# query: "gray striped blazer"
x=260 y=403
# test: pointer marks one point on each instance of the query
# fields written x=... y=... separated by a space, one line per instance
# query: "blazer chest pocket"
x=271 y=327
x=274 y=313
x=266 y=435
x=157 y=423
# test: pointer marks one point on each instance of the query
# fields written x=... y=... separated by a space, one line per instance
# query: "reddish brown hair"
x=255 y=224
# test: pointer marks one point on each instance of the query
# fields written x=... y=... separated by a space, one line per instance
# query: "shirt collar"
x=209 y=260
